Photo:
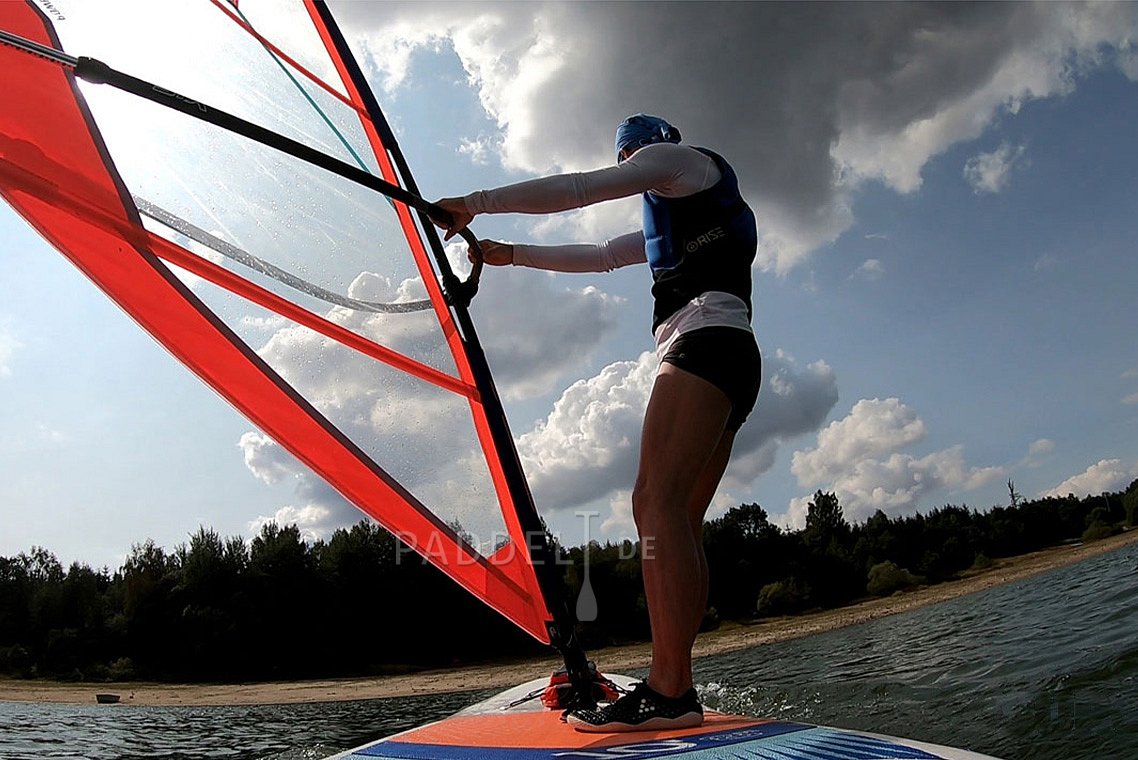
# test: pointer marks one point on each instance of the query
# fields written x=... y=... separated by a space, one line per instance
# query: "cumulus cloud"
x=536 y=327
x=320 y=511
x=825 y=97
x=989 y=172
x=538 y=330
x=619 y=520
x=859 y=459
x=313 y=521
x=587 y=449
x=794 y=401
x=588 y=445
x=267 y=461
x=420 y=434
x=1103 y=476
x=872 y=428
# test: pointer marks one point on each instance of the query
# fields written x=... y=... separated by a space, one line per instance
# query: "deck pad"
x=727 y=738
x=498 y=729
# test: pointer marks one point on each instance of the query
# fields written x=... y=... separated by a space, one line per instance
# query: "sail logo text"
x=54 y=12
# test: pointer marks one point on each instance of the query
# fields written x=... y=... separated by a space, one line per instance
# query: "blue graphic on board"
x=767 y=741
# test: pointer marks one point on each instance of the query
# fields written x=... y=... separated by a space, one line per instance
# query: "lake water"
x=1041 y=669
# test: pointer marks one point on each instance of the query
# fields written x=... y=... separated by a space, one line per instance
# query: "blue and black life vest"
x=699 y=243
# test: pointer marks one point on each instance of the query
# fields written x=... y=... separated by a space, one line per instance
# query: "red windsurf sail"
x=311 y=303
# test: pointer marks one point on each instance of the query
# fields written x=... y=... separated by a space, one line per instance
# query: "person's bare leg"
x=705 y=489
x=683 y=427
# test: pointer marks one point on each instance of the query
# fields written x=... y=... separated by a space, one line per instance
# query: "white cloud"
x=1128 y=61
x=872 y=428
x=1038 y=451
x=404 y=38
x=535 y=331
x=587 y=449
x=267 y=461
x=478 y=149
x=1103 y=476
x=820 y=99
x=8 y=347
x=859 y=459
x=870 y=269
x=420 y=434
x=1131 y=400
x=619 y=522
x=589 y=444
x=989 y=172
x=314 y=521
x=323 y=510
x=794 y=401
x=598 y=222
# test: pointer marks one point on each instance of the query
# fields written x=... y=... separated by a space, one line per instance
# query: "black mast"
x=562 y=631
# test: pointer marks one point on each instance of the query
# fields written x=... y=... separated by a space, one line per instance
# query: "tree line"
x=278 y=607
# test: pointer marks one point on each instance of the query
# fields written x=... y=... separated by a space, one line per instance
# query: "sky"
x=946 y=197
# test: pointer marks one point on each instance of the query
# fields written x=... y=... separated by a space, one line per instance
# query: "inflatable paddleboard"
x=509 y=727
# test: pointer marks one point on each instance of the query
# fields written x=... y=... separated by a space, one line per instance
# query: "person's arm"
x=667 y=169
x=578 y=257
x=670 y=170
x=611 y=254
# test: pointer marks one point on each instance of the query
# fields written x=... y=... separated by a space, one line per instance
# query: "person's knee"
x=654 y=502
x=647 y=504
x=641 y=504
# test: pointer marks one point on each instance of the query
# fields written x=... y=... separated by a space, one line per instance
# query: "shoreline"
x=730 y=637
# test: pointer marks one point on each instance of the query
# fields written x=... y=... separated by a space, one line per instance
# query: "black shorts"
x=726 y=357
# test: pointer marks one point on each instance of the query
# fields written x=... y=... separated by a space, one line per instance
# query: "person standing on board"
x=699 y=239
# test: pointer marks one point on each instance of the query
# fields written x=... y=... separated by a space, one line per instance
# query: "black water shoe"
x=641 y=710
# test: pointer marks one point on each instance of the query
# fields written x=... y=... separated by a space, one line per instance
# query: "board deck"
x=498 y=729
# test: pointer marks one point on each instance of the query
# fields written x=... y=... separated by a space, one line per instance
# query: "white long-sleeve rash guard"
x=666 y=169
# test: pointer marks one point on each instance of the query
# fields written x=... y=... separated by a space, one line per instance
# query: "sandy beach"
x=728 y=638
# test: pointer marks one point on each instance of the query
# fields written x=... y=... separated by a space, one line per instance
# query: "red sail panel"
x=56 y=172
x=516 y=553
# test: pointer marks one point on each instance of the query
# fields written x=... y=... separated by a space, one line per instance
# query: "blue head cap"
x=642 y=129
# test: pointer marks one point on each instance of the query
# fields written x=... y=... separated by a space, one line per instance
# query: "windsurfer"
x=699 y=239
